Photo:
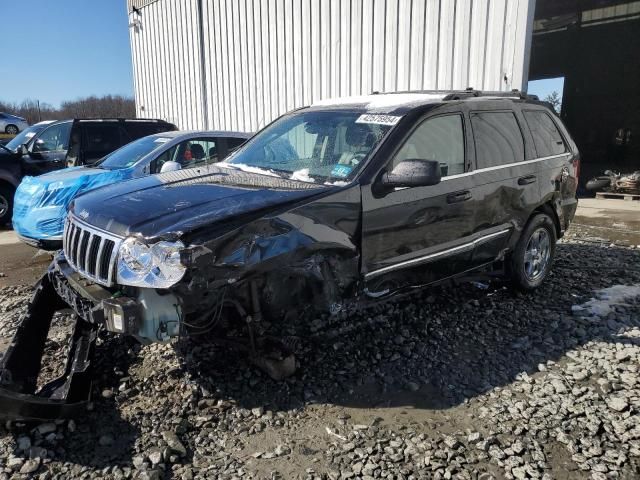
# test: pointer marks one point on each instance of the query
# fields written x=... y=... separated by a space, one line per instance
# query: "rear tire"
x=531 y=260
x=6 y=204
x=11 y=130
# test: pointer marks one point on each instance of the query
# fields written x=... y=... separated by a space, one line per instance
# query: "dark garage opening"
x=595 y=45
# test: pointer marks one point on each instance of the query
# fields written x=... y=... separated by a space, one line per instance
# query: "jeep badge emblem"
x=84 y=214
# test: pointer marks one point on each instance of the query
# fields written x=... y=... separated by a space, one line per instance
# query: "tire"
x=11 y=130
x=6 y=204
x=598 y=183
x=531 y=260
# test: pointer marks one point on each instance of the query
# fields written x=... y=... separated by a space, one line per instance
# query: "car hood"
x=185 y=200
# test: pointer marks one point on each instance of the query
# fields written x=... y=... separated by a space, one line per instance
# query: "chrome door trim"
x=436 y=255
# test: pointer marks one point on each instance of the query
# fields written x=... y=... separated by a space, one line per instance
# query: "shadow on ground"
x=437 y=348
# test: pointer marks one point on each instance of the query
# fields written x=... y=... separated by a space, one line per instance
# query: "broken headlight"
x=152 y=266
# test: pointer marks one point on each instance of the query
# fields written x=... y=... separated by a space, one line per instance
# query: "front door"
x=48 y=151
x=422 y=231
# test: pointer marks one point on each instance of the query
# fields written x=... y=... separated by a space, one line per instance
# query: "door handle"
x=457 y=197
x=527 y=180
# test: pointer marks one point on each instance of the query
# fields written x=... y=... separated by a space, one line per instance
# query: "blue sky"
x=542 y=88
x=64 y=49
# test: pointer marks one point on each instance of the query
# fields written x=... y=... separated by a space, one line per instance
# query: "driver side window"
x=196 y=152
x=439 y=138
x=53 y=139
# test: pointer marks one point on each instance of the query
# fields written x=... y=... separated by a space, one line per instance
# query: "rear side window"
x=137 y=130
x=546 y=136
x=100 y=139
x=440 y=139
x=498 y=138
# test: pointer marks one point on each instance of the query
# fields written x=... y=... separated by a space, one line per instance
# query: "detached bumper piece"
x=19 y=367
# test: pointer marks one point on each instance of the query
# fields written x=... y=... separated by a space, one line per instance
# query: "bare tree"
x=108 y=106
x=554 y=99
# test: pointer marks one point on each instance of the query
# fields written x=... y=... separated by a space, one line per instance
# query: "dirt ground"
x=476 y=383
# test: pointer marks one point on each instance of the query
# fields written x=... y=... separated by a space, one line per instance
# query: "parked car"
x=327 y=208
x=40 y=203
x=11 y=167
x=12 y=124
x=65 y=143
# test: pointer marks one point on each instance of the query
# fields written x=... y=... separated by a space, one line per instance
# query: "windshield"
x=131 y=153
x=23 y=137
x=316 y=147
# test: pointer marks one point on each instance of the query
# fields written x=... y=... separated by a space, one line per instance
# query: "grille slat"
x=89 y=251
x=82 y=250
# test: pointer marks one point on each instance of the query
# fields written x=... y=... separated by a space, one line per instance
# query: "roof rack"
x=470 y=93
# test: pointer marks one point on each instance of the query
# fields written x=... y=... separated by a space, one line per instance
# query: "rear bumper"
x=568 y=211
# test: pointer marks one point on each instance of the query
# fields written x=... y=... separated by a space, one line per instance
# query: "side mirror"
x=23 y=150
x=413 y=172
x=170 y=167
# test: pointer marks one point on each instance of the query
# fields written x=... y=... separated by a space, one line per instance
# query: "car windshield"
x=317 y=147
x=131 y=153
x=23 y=137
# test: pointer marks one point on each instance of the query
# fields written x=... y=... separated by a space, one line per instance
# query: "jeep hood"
x=185 y=200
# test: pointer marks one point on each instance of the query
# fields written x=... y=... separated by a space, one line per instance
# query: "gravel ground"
x=471 y=382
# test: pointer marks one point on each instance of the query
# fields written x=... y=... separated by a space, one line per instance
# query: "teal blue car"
x=40 y=203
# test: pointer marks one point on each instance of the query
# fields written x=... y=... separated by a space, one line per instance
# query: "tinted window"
x=546 y=136
x=233 y=143
x=53 y=139
x=498 y=138
x=100 y=139
x=140 y=129
x=440 y=139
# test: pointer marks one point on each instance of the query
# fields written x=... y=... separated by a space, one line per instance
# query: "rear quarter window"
x=498 y=138
x=546 y=136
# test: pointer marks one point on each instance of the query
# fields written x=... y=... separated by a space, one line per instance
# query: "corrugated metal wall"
x=238 y=64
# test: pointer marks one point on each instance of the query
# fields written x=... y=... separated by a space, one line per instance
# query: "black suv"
x=326 y=208
x=49 y=146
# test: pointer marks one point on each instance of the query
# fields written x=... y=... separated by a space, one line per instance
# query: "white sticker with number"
x=378 y=119
x=117 y=321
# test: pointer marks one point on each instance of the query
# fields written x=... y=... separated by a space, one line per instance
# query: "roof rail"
x=471 y=93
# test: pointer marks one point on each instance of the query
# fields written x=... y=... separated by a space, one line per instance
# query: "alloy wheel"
x=4 y=206
x=537 y=254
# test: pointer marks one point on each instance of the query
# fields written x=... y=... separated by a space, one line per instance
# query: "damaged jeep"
x=331 y=206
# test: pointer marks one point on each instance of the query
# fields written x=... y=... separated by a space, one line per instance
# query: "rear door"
x=98 y=140
x=558 y=162
x=505 y=177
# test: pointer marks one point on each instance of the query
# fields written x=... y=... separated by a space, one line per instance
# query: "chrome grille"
x=90 y=251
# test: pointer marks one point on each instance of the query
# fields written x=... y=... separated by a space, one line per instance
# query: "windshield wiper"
x=269 y=172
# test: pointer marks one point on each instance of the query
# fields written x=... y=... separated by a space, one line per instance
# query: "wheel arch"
x=548 y=209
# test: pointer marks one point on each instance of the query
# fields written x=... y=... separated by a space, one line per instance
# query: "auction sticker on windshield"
x=378 y=119
x=341 y=171
x=161 y=140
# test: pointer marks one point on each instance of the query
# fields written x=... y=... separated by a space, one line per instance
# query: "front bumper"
x=50 y=244
x=144 y=313
x=60 y=288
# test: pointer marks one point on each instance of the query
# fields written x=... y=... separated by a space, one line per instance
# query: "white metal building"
x=238 y=64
